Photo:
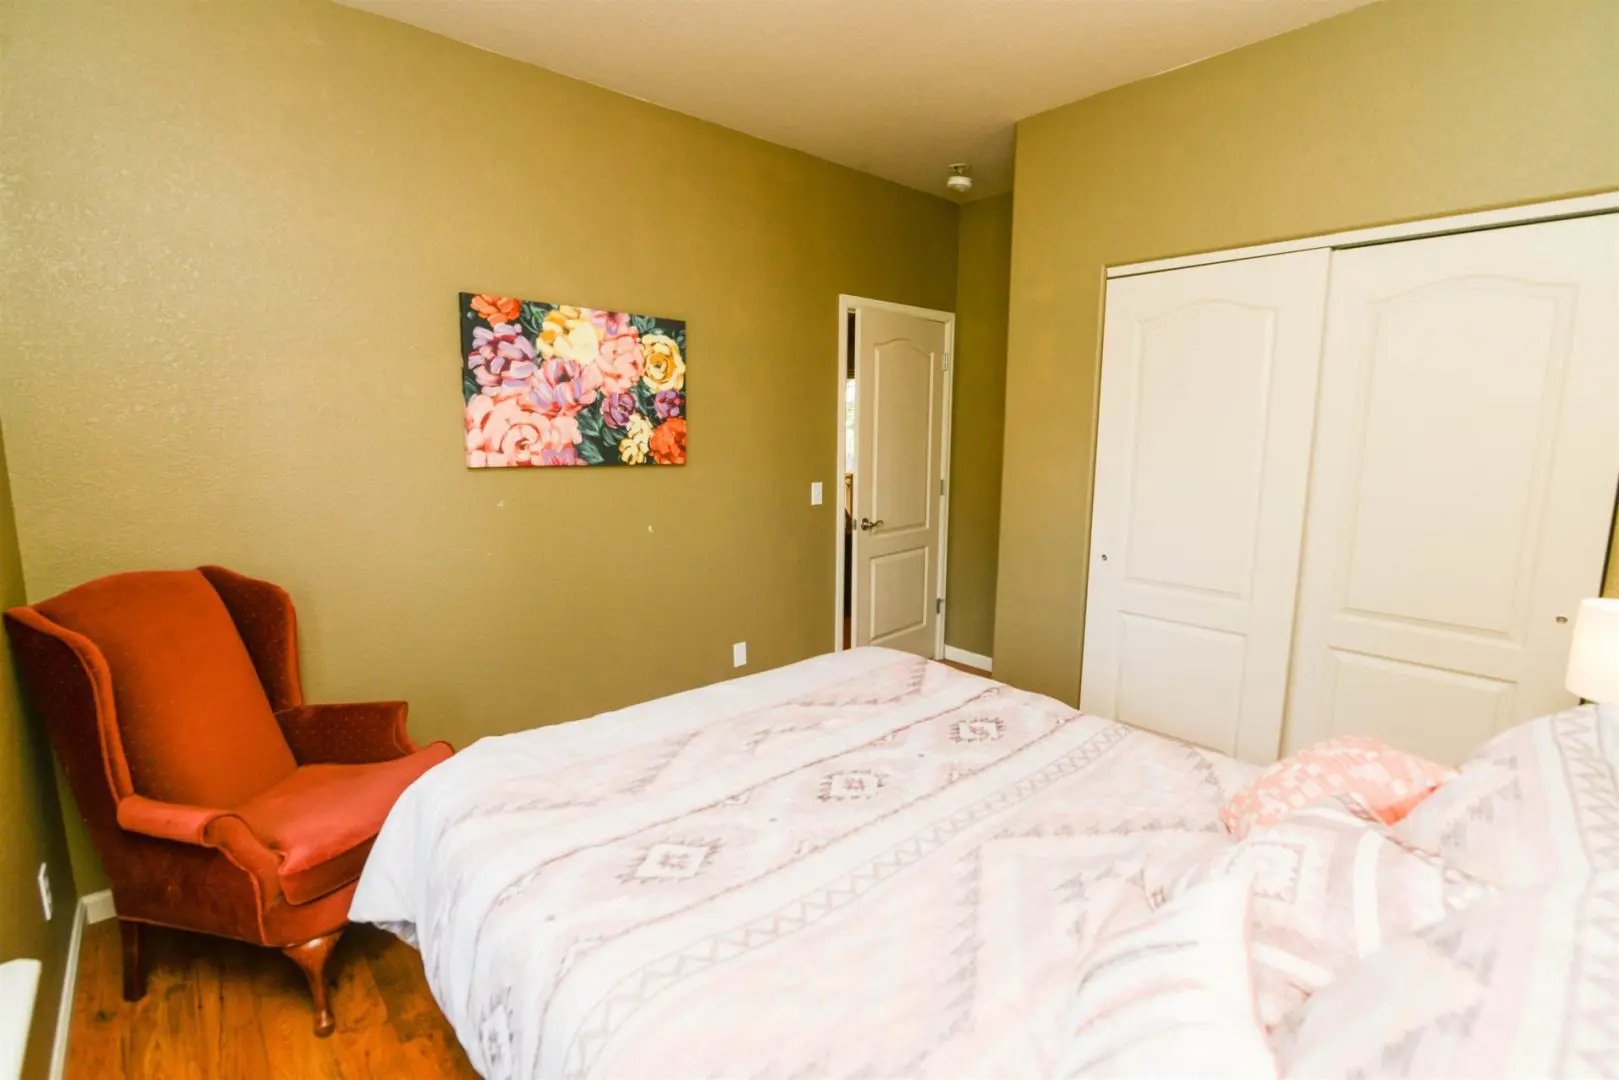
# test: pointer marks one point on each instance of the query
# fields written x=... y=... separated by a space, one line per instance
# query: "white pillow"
x=1171 y=995
x=1536 y=802
x=1522 y=984
x=1329 y=887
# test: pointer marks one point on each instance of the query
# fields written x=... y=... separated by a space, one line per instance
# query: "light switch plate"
x=739 y=654
x=815 y=493
x=45 y=890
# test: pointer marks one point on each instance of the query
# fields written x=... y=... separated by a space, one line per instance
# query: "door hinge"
x=938 y=606
x=947 y=361
x=941 y=485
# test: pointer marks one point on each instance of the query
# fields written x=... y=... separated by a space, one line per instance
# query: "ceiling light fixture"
x=959 y=181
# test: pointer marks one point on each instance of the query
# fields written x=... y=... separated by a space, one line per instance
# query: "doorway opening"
x=894 y=387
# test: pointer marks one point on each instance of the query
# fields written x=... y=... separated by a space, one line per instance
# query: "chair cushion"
x=323 y=818
x=194 y=720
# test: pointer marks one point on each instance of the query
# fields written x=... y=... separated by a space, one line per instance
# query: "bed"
x=871 y=865
x=859 y=865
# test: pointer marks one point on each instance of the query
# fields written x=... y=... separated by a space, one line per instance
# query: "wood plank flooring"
x=220 y=1009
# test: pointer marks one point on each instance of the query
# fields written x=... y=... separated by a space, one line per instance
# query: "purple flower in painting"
x=669 y=403
x=501 y=357
x=617 y=409
x=567 y=455
x=565 y=386
x=610 y=324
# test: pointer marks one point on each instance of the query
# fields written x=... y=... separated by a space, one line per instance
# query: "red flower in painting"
x=497 y=309
x=668 y=445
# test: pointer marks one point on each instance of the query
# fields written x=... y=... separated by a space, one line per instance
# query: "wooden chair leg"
x=134 y=962
x=312 y=956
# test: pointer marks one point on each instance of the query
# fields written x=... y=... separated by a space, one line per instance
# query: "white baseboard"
x=98 y=905
x=971 y=659
x=70 y=977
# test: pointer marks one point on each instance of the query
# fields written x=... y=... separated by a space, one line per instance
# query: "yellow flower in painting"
x=665 y=370
x=568 y=333
x=632 y=447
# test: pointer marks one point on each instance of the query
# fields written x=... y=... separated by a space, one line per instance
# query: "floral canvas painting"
x=548 y=384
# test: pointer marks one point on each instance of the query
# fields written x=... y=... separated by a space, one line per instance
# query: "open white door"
x=1202 y=461
x=1462 y=495
x=898 y=510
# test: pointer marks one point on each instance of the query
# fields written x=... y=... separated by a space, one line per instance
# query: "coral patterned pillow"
x=1388 y=782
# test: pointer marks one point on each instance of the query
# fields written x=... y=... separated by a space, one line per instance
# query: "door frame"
x=847 y=304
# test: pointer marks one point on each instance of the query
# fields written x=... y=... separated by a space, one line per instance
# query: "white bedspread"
x=865 y=864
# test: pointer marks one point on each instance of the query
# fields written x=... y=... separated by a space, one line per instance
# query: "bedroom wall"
x=236 y=232
x=983 y=286
x=30 y=827
x=1403 y=109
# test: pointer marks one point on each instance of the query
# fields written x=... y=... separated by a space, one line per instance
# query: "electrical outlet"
x=739 y=654
x=45 y=890
x=815 y=493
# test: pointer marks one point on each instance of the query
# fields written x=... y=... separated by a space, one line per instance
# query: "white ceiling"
x=899 y=88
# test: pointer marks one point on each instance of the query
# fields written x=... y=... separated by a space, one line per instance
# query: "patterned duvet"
x=865 y=864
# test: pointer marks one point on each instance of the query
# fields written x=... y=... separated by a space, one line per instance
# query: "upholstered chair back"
x=193 y=722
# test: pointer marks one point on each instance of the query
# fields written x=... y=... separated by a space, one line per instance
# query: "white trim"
x=840 y=518
x=98 y=907
x=70 y=976
x=1581 y=206
x=846 y=304
x=983 y=663
x=19 y=985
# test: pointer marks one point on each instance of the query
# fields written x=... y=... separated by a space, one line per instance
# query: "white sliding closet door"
x=1462 y=493
x=1202 y=459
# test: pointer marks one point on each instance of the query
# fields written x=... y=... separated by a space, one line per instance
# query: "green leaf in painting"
x=646 y=401
x=644 y=324
x=534 y=313
x=469 y=387
x=590 y=453
x=591 y=423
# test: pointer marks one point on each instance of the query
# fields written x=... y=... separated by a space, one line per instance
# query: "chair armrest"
x=204 y=827
x=170 y=821
x=352 y=733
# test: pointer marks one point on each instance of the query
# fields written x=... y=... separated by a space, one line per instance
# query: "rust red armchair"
x=220 y=802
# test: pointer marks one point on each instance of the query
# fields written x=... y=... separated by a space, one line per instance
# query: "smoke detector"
x=959 y=181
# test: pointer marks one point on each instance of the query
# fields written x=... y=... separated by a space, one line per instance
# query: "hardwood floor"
x=221 y=1009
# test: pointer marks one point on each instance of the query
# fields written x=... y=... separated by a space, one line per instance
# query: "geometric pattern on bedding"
x=1523 y=984
x=1538 y=801
x=1330 y=887
x=710 y=884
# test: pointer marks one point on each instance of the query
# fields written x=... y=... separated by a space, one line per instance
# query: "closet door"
x=1463 y=487
x=1202 y=457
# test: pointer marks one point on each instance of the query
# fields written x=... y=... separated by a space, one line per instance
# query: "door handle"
x=866 y=524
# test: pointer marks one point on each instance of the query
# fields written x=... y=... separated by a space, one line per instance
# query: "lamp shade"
x=1593 y=659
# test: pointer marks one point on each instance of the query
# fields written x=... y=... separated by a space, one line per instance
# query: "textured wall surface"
x=983 y=284
x=235 y=237
x=1404 y=109
x=30 y=827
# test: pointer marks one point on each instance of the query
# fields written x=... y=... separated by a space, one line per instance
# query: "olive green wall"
x=978 y=413
x=30 y=825
x=236 y=235
x=1403 y=109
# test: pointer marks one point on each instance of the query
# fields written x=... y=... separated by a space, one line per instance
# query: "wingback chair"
x=219 y=800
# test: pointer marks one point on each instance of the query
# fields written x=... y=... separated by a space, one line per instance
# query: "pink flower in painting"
x=501 y=357
x=622 y=362
x=510 y=429
x=564 y=387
